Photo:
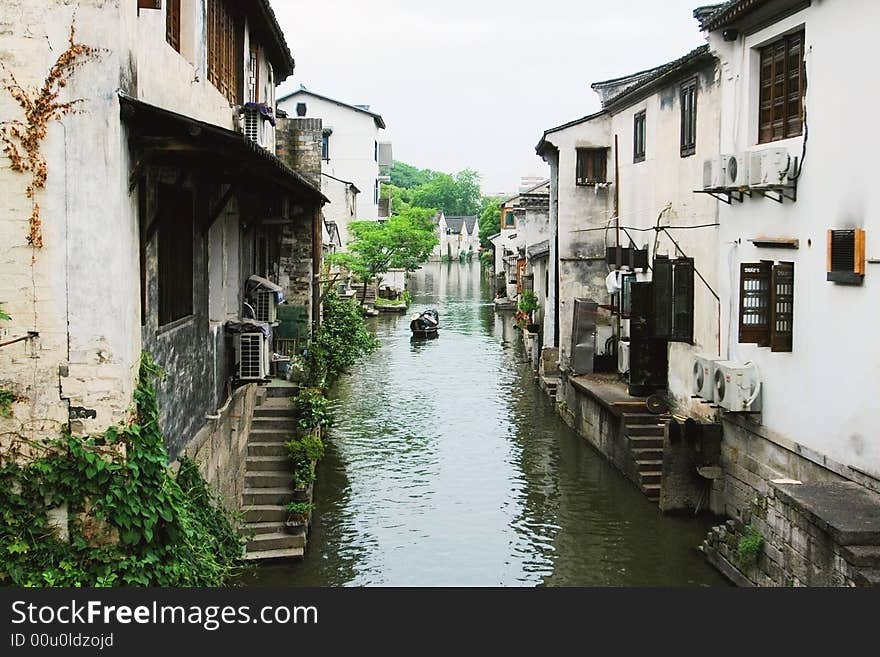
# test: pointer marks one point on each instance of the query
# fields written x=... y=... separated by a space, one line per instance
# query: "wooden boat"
x=425 y=324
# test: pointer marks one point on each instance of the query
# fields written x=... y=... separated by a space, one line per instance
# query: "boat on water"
x=425 y=324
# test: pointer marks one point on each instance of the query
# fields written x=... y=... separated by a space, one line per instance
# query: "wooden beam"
x=214 y=214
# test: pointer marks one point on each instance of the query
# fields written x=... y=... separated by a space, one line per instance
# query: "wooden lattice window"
x=782 y=307
x=639 y=136
x=592 y=165
x=175 y=253
x=224 y=44
x=172 y=24
x=767 y=304
x=688 y=100
x=783 y=84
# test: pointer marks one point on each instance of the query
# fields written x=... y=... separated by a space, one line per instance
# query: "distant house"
x=355 y=161
x=524 y=223
x=458 y=237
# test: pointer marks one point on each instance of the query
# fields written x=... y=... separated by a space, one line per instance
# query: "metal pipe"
x=30 y=336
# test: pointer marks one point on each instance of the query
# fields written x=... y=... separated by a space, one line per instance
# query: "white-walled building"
x=163 y=197
x=355 y=159
x=798 y=301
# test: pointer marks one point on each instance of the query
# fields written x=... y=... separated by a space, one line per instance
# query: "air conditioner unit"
x=737 y=386
x=713 y=173
x=252 y=126
x=771 y=167
x=265 y=308
x=703 y=380
x=252 y=356
x=736 y=171
x=623 y=357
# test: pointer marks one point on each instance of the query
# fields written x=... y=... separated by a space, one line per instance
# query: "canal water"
x=448 y=466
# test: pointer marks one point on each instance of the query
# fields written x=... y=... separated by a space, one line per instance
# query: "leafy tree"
x=490 y=220
x=457 y=195
x=407 y=176
x=341 y=341
x=403 y=242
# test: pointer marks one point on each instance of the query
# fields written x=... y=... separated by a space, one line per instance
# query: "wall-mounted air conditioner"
x=252 y=126
x=771 y=168
x=713 y=173
x=623 y=356
x=737 y=386
x=703 y=379
x=251 y=356
x=736 y=171
x=266 y=308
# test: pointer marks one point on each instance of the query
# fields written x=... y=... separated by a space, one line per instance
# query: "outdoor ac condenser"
x=737 y=386
x=583 y=336
x=252 y=356
x=623 y=356
x=703 y=381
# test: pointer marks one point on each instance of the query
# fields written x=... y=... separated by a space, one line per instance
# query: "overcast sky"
x=474 y=83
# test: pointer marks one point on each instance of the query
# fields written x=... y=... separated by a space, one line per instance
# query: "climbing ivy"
x=131 y=521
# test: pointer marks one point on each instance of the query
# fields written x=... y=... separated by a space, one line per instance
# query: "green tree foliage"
x=490 y=220
x=457 y=195
x=407 y=176
x=340 y=342
x=405 y=241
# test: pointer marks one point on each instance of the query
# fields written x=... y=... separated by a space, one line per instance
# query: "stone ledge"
x=849 y=512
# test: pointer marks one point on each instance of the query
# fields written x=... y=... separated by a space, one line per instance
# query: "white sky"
x=474 y=83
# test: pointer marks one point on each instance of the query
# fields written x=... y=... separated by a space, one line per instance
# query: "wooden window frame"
x=225 y=49
x=846 y=256
x=673 y=289
x=509 y=224
x=688 y=99
x=591 y=166
x=782 y=85
x=640 y=136
x=175 y=249
x=767 y=298
x=172 y=23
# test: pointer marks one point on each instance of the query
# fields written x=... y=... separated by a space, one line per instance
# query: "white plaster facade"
x=353 y=135
x=823 y=394
x=80 y=292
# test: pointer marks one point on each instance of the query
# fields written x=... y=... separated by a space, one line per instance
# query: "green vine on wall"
x=22 y=140
x=131 y=522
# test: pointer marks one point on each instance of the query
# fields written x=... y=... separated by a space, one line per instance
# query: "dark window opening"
x=846 y=256
x=783 y=84
x=172 y=24
x=509 y=219
x=175 y=254
x=592 y=165
x=688 y=100
x=674 y=299
x=300 y=109
x=376 y=192
x=639 y=121
x=325 y=147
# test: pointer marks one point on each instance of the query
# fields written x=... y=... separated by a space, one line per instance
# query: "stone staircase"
x=268 y=479
x=644 y=433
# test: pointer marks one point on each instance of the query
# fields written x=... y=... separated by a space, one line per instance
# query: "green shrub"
x=749 y=548
x=528 y=302
x=312 y=409
x=305 y=449
x=299 y=508
x=341 y=341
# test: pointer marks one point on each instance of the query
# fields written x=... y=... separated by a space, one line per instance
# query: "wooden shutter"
x=662 y=278
x=172 y=24
x=782 y=307
x=782 y=84
x=754 y=303
x=149 y=4
x=846 y=256
x=688 y=118
x=683 y=300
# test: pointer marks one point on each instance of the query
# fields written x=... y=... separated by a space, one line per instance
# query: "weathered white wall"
x=663 y=186
x=823 y=394
x=352 y=154
x=581 y=214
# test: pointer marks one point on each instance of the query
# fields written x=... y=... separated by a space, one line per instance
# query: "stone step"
x=868 y=577
x=649 y=465
x=647 y=453
x=275 y=449
x=643 y=442
x=267 y=496
x=276 y=541
x=290 y=553
x=864 y=556
x=273 y=463
x=269 y=436
x=263 y=412
x=644 y=430
x=274 y=424
x=273 y=392
x=276 y=513
x=642 y=418
x=260 y=528
x=651 y=477
x=652 y=491
x=270 y=479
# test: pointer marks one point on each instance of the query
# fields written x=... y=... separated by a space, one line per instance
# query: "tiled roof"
x=540 y=249
x=380 y=122
x=454 y=224
x=726 y=13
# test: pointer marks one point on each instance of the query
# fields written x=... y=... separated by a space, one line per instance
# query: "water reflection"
x=448 y=466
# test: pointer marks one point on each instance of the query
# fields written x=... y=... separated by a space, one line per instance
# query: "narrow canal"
x=448 y=466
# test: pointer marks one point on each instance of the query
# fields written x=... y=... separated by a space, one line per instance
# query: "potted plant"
x=528 y=304
x=297 y=516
